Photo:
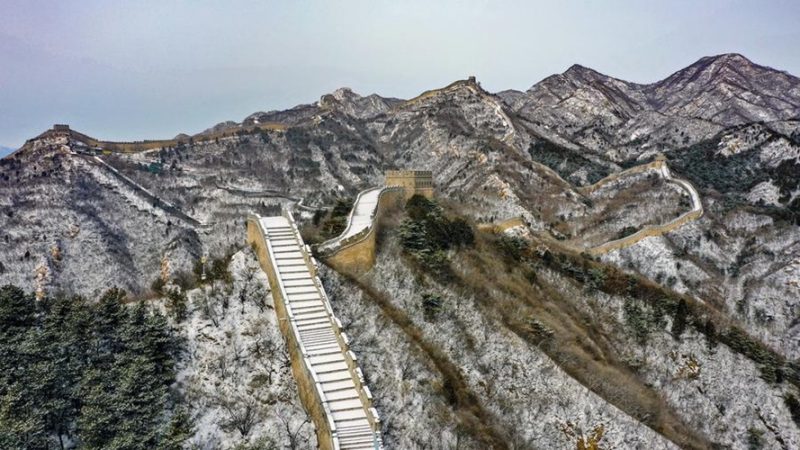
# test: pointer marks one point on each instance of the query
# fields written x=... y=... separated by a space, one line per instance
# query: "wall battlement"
x=412 y=181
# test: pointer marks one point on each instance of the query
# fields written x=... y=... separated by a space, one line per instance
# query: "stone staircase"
x=328 y=364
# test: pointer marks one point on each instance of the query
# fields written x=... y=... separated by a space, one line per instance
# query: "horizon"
x=146 y=71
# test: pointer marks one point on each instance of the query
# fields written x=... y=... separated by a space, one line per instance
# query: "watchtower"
x=412 y=181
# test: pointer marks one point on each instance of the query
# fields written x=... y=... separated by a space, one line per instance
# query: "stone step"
x=315 y=326
x=293 y=298
x=346 y=405
x=335 y=376
x=314 y=349
x=349 y=414
x=304 y=315
x=301 y=290
x=323 y=359
x=323 y=333
x=287 y=255
x=312 y=310
x=330 y=367
x=316 y=332
x=281 y=235
x=292 y=269
x=303 y=322
x=297 y=283
x=335 y=386
x=324 y=349
x=284 y=249
x=311 y=346
x=357 y=447
x=356 y=442
x=291 y=262
x=320 y=333
x=356 y=425
x=343 y=394
x=283 y=241
x=317 y=341
x=296 y=276
x=361 y=432
x=302 y=304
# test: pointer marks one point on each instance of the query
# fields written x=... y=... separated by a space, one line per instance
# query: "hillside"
x=684 y=339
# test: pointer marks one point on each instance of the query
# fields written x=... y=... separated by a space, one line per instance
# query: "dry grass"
x=577 y=344
x=473 y=418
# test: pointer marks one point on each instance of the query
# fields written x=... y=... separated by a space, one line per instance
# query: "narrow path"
x=154 y=199
x=271 y=193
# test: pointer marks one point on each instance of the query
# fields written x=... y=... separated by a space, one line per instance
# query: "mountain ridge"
x=629 y=96
x=78 y=214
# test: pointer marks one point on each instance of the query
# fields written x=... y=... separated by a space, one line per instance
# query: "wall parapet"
x=646 y=232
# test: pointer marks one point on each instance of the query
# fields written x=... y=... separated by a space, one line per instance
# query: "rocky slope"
x=728 y=125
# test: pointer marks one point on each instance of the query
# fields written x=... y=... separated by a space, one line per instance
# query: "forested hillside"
x=89 y=372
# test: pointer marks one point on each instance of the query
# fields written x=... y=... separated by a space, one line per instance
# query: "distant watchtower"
x=413 y=181
x=61 y=127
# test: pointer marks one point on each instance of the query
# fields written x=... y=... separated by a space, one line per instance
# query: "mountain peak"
x=577 y=68
x=735 y=58
x=344 y=93
x=353 y=104
x=582 y=72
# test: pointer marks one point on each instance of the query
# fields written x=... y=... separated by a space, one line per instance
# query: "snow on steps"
x=338 y=381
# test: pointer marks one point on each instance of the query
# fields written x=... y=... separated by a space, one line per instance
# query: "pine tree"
x=98 y=374
x=179 y=429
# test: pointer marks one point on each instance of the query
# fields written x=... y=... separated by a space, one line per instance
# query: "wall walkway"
x=355 y=248
x=330 y=383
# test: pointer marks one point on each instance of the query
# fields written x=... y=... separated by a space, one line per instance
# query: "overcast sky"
x=129 y=70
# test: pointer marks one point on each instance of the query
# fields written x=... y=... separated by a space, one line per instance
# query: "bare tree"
x=242 y=412
x=296 y=439
x=253 y=289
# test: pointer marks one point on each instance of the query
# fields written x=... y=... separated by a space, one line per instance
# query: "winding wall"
x=154 y=200
x=355 y=248
x=653 y=230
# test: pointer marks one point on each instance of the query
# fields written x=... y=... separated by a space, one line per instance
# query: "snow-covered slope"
x=729 y=126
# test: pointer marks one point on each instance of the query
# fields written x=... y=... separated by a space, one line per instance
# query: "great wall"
x=330 y=383
x=307 y=320
x=660 y=166
x=106 y=147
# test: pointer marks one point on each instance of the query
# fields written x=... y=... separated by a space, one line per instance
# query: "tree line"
x=76 y=373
